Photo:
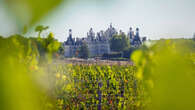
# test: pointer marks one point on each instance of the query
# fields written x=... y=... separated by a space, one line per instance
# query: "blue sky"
x=155 y=18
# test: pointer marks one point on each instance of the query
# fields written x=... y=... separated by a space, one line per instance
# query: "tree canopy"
x=119 y=43
x=84 y=51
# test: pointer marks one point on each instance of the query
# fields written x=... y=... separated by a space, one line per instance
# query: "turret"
x=91 y=34
x=137 y=32
x=130 y=28
x=70 y=33
x=137 y=38
x=110 y=25
x=70 y=40
x=131 y=33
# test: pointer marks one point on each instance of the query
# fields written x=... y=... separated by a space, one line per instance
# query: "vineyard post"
x=108 y=92
x=99 y=94
x=122 y=92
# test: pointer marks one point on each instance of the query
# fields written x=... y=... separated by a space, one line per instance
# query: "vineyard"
x=35 y=74
x=162 y=77
x=97 y=87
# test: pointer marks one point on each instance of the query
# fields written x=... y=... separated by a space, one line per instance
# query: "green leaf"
x=28 y=12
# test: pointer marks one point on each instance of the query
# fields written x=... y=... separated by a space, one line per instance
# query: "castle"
x=98 y=44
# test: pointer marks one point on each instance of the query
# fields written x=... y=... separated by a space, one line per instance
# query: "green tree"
x=193 y=37
x=40 y=29
x=50 y=44
x=1 y=37
x=47 y=47
x=61 y=49
x=119 y=43
x=84 y=51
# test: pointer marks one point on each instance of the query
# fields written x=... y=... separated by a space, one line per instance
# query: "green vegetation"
x=29 y=12
x=18 y=58
x=119 y=43
x=97 y=87
x=163 y=77
x=128 y=52
x=167 y=70
x=84 y=51
x=40 y=29
x=20 y=68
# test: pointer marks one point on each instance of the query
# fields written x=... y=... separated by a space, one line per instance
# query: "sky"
x=155 y=18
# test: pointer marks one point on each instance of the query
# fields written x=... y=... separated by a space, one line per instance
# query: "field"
x=162 y=77
x=158 y=74
x=92 y=61
x=98 y=87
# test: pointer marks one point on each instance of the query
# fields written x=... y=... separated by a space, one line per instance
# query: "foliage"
x=40 y=29
x=61 y=49
x=167 y=70
x=84 y=51
x=193 y=37
x=51 y=45
x=18 y=60
x=128 y=52
x=162 y=79
x=97 y=86
x=119 y=43
x=47 y=47
x=28 y=12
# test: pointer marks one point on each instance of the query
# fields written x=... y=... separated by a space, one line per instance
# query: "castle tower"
x=91 y=34
x=110 y=31
x=70 y=33
x=131 y=33
x=137 y=32
x=137 y=40
x=110 y=25
x=70 y=40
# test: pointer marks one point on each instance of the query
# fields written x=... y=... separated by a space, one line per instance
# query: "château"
x=98 y=44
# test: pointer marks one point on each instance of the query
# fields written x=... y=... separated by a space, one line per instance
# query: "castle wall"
x=95 y=49
x=98 y=45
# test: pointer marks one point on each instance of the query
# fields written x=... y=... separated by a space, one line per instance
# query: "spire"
x=110 y=25
x=131 y=33
x=137 y=36
x=130 y=28
x=70 y=33
x=137 y=29
x=91 y=34
x=137 y=32
x=91 y=29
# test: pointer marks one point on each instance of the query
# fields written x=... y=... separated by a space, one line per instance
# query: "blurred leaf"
x=18 y=90
x=168 y=74
x=28 y=12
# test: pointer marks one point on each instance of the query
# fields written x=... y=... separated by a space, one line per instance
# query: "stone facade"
x=98 y=44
